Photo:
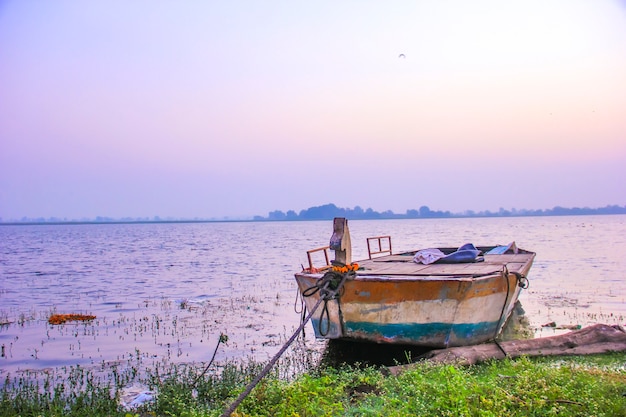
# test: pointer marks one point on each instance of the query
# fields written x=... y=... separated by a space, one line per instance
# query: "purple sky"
x=233 y=109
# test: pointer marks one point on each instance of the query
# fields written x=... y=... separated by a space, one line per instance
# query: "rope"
x=301 y=310
x=328 y=289
x=522 y=281
x=505 y=275
x=506 y=355
x=298 y=309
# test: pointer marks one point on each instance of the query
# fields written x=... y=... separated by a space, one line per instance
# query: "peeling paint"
x=428 y=310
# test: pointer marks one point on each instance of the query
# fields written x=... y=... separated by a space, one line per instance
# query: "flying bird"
x=401 y=56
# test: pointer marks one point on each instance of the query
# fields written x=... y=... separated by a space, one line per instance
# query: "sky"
x=207 y=109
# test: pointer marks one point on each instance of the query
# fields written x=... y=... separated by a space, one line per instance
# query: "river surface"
x=165 y=292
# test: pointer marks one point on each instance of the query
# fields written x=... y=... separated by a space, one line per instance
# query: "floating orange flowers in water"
x=62 y=318
x=346 y=268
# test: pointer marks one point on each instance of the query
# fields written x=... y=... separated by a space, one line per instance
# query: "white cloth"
x=428 y=256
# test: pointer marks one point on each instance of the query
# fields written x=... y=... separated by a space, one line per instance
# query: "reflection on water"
x=165 y=292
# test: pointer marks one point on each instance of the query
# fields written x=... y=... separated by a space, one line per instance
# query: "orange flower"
x=346 y=268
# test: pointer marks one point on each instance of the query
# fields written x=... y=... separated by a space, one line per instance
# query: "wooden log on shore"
x=599 y=338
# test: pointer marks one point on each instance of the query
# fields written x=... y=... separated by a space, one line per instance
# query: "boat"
x=432 y=297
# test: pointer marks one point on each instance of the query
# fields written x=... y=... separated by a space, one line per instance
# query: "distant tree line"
x=329 y=211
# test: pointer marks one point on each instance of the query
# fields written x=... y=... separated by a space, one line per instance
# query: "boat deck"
x=403 y=265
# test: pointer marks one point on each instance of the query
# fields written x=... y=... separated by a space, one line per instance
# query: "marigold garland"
x=62 y=318
x=346 y=268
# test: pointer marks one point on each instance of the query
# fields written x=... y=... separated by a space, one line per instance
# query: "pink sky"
x=204 y=109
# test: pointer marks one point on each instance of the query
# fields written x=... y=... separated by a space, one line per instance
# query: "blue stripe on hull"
x=331 y=330
x=428 y=334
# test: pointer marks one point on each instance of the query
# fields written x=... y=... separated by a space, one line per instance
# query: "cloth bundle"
x=464 y=254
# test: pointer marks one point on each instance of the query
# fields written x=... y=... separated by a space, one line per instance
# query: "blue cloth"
x=464 y=254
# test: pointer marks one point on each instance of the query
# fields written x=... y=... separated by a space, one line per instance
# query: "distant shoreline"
x=334 y=212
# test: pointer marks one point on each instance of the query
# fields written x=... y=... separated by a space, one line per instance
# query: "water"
x=164 y=293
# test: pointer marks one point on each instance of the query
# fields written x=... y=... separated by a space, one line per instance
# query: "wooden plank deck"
x=399 y=265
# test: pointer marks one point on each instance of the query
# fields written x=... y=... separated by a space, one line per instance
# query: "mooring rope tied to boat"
x=325 y=287
x=522 y=282
x=505 y=275
x=328 y=287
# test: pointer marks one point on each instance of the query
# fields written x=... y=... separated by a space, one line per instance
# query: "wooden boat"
x=391 y=298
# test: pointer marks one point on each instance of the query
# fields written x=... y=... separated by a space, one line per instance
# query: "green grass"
x=572 y=386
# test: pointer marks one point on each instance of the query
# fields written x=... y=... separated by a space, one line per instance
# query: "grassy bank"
x=573 y=386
